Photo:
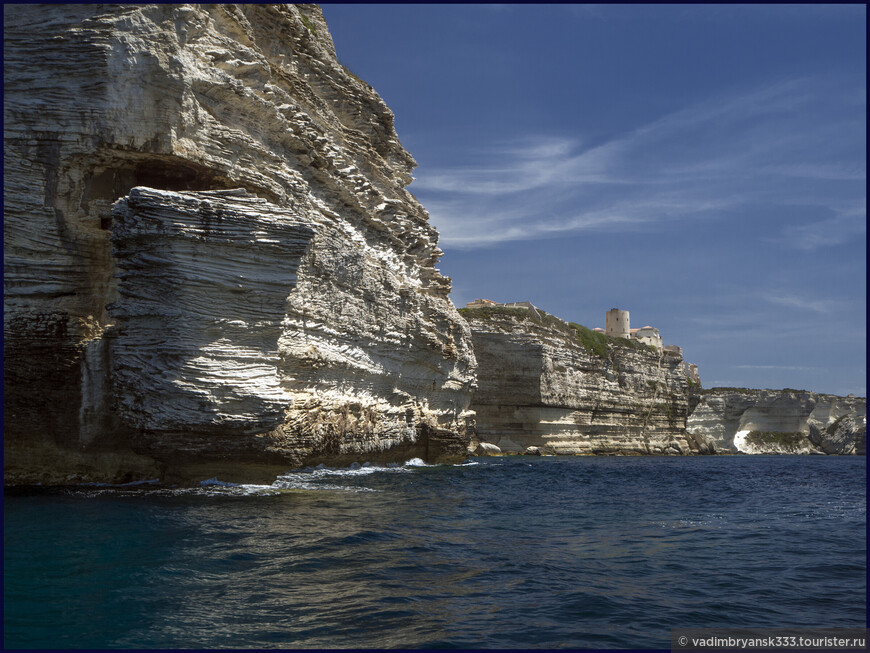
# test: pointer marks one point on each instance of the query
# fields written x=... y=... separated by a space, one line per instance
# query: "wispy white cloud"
x=464 y=228
x=525 y=166
x=822 y=306
x=829 y=171
x=774 y=367
x=714 y=156
x=845 y=226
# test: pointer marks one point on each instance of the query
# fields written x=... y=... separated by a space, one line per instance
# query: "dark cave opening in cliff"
x=111 y=179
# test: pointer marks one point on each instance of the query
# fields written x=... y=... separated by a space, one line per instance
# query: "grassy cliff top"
x=758 y=391
x=750 y=391
x=594 y=342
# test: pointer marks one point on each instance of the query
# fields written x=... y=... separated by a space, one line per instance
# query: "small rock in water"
x=487 y=449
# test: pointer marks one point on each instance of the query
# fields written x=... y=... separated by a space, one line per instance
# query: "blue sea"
x=514 y=552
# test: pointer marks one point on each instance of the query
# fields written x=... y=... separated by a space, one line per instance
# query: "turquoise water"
x=515 y=552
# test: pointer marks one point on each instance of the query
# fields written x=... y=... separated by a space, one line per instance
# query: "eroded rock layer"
x=540 y=387
x=202 y=283
x=733 y=420
x=299 y=320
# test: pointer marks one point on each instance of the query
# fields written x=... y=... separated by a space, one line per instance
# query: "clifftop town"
x=550 y=386
x=617 y=326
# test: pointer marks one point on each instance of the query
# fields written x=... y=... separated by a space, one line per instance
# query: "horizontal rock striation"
x=540 y=387
x=202 y=283
x=739 y=420
x=300 y=320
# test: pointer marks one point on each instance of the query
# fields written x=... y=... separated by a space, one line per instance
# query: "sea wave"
x=321 y=478
x=587 y=552
x=311 y=478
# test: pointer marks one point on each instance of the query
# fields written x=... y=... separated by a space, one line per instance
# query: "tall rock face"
x=740 y=420
x=211 y=263
x=539 y=386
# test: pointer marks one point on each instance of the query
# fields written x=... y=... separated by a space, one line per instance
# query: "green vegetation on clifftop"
x=538 y=317
x=594 y=342
x=746 y=391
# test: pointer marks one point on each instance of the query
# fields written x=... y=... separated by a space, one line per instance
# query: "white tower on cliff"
x=616 y=323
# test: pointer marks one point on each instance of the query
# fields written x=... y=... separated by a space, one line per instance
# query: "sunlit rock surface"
x=539 y=387
x=202 y=282
x=826 y=423
x=300 y=320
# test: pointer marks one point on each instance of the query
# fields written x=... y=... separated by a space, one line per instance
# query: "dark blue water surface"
x=498 y=553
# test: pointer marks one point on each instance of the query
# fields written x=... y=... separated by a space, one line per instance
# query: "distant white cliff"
x=739 y=420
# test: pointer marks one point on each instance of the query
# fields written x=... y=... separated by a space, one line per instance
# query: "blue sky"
x=703 y=167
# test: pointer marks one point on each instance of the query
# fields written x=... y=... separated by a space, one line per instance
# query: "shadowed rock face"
x=300 y=320
x=539 y=387
x=822 y=423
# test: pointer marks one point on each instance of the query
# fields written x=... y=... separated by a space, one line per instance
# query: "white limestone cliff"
x=784 y=421
x=541 y=388
x=298 y=319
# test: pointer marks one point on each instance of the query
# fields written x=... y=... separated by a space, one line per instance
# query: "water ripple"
x=495 y=553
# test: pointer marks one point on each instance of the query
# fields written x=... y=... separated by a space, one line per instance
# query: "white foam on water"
x=231 y=489
x=357 y=469
x=286 y=483
x=212 y=487
x=312 y=478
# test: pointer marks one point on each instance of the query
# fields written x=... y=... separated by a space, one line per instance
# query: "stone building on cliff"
x=617 y=325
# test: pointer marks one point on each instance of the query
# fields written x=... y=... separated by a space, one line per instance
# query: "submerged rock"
x=487 y=449
x=263 y=292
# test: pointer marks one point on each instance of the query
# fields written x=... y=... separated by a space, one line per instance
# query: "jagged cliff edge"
x=743 y=420
x=189 y=331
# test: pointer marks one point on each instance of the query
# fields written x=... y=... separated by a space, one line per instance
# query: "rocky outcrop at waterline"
x=563 y=389
x=741 y=420
x=263 y=293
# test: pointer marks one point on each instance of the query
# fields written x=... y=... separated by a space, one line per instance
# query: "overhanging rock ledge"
x=263 y=293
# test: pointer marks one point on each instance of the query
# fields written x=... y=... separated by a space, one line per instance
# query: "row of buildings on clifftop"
x=617 y=325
